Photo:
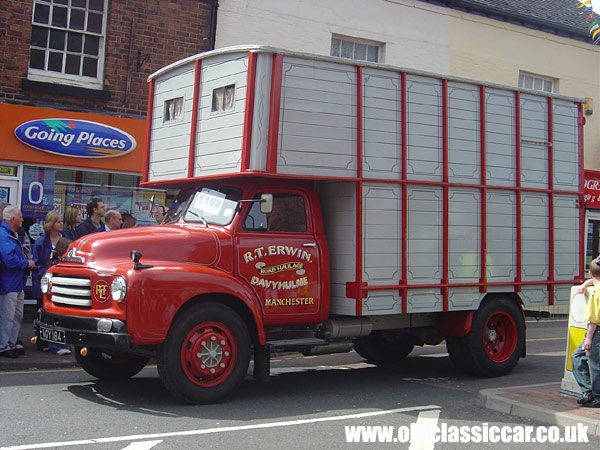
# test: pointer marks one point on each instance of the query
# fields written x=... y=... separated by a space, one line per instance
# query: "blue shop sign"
x=75 y=138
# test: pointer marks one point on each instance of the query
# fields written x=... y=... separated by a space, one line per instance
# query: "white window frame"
x=351 y=40
x=537 y=79
x=48 y=76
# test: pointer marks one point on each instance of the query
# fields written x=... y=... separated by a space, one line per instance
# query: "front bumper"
x=83 y=331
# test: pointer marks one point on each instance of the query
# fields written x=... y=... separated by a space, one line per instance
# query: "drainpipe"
x=214 y=5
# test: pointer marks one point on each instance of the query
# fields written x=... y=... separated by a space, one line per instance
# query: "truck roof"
x=350 y=62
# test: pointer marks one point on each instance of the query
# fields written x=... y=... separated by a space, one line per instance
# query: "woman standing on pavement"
x=46 y=251
x=73 y=218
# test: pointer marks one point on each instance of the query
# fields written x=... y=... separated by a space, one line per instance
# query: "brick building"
x=73 y=96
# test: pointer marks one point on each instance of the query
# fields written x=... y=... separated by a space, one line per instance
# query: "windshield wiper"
x=199 y=217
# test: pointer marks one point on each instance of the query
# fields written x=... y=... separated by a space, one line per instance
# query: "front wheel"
x=205 y=355
x=107 y=365
x=495 y=342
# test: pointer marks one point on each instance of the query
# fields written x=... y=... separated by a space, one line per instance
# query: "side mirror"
x=135 y=257
x=266 y=203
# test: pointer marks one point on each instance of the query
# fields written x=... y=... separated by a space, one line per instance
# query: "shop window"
x=95 y=178
x=223 y=98
x=173 y=110
x=121 y=179
x=45 y=189
x=358 y=49
x=67 y=42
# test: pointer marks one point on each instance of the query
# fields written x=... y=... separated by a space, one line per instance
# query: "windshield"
x=212 y=205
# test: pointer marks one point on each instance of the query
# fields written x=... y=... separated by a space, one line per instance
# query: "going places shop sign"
x=75 y=138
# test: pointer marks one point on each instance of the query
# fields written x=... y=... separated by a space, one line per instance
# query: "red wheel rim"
x=500 y=336
x=208 y=354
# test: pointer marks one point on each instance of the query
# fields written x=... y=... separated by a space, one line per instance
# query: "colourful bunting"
x=592 y=19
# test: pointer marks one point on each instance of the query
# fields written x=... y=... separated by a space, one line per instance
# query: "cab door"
x=278 y=256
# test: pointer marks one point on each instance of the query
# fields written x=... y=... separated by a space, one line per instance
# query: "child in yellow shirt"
x=586 y=357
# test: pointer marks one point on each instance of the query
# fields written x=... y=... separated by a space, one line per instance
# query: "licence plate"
x=52 y=335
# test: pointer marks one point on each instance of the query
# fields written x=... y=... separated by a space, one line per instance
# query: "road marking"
x=547 y=339
x=561 y=353
x=421 y=437
x=280 y=370
x=142 y=445
x=34 y=370
x=257 y=426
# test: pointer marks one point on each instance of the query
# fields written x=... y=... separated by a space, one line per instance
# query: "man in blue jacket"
x=12 y=281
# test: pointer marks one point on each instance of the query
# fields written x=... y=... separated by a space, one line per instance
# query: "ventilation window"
x=223 y=98
x=537 y=82
x=357 y=49
x=173 y=110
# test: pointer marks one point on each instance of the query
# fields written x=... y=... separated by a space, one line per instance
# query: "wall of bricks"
x=142 y=36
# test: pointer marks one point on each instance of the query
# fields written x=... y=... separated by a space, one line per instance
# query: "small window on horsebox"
x=173 y=110
x=223 y=98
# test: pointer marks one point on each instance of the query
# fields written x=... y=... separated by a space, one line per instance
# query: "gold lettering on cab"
x=281 y=270
x=270 y=302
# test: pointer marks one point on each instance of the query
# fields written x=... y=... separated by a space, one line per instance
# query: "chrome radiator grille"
x=75 y=291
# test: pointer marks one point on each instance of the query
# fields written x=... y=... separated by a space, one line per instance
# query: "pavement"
x=35 y=359
x=542 y=403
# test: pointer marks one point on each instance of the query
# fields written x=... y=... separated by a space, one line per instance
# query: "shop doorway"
x=9 y=191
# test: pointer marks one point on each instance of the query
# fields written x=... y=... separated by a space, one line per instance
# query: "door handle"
x=310 y=244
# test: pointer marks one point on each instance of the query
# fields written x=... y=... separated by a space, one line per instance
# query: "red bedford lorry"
x=327 y=205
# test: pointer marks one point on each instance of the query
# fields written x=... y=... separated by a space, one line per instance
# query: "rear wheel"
x=108 y=365
x=205 y=355
x=456 y=350
x=385 y=346
x=495 y=342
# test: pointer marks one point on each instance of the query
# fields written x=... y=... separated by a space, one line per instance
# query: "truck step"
x=296 y=343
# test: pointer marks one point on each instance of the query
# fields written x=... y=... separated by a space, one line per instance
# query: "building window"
x=358 y=49
x=67 y=42
x=537 y=82
x=223 y=98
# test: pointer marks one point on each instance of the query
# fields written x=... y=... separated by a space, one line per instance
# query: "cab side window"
x=288 y=215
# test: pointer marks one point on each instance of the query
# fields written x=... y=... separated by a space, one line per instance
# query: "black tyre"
x=385 y=346
x=110 y=365
x=456 y=350
x=205 y=355
x=495 y=342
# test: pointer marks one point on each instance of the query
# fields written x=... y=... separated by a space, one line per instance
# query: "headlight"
x=46 y=283
x=118 y=289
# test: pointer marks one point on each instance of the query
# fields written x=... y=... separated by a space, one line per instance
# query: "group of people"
x=113 y=220
x=18 y=258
